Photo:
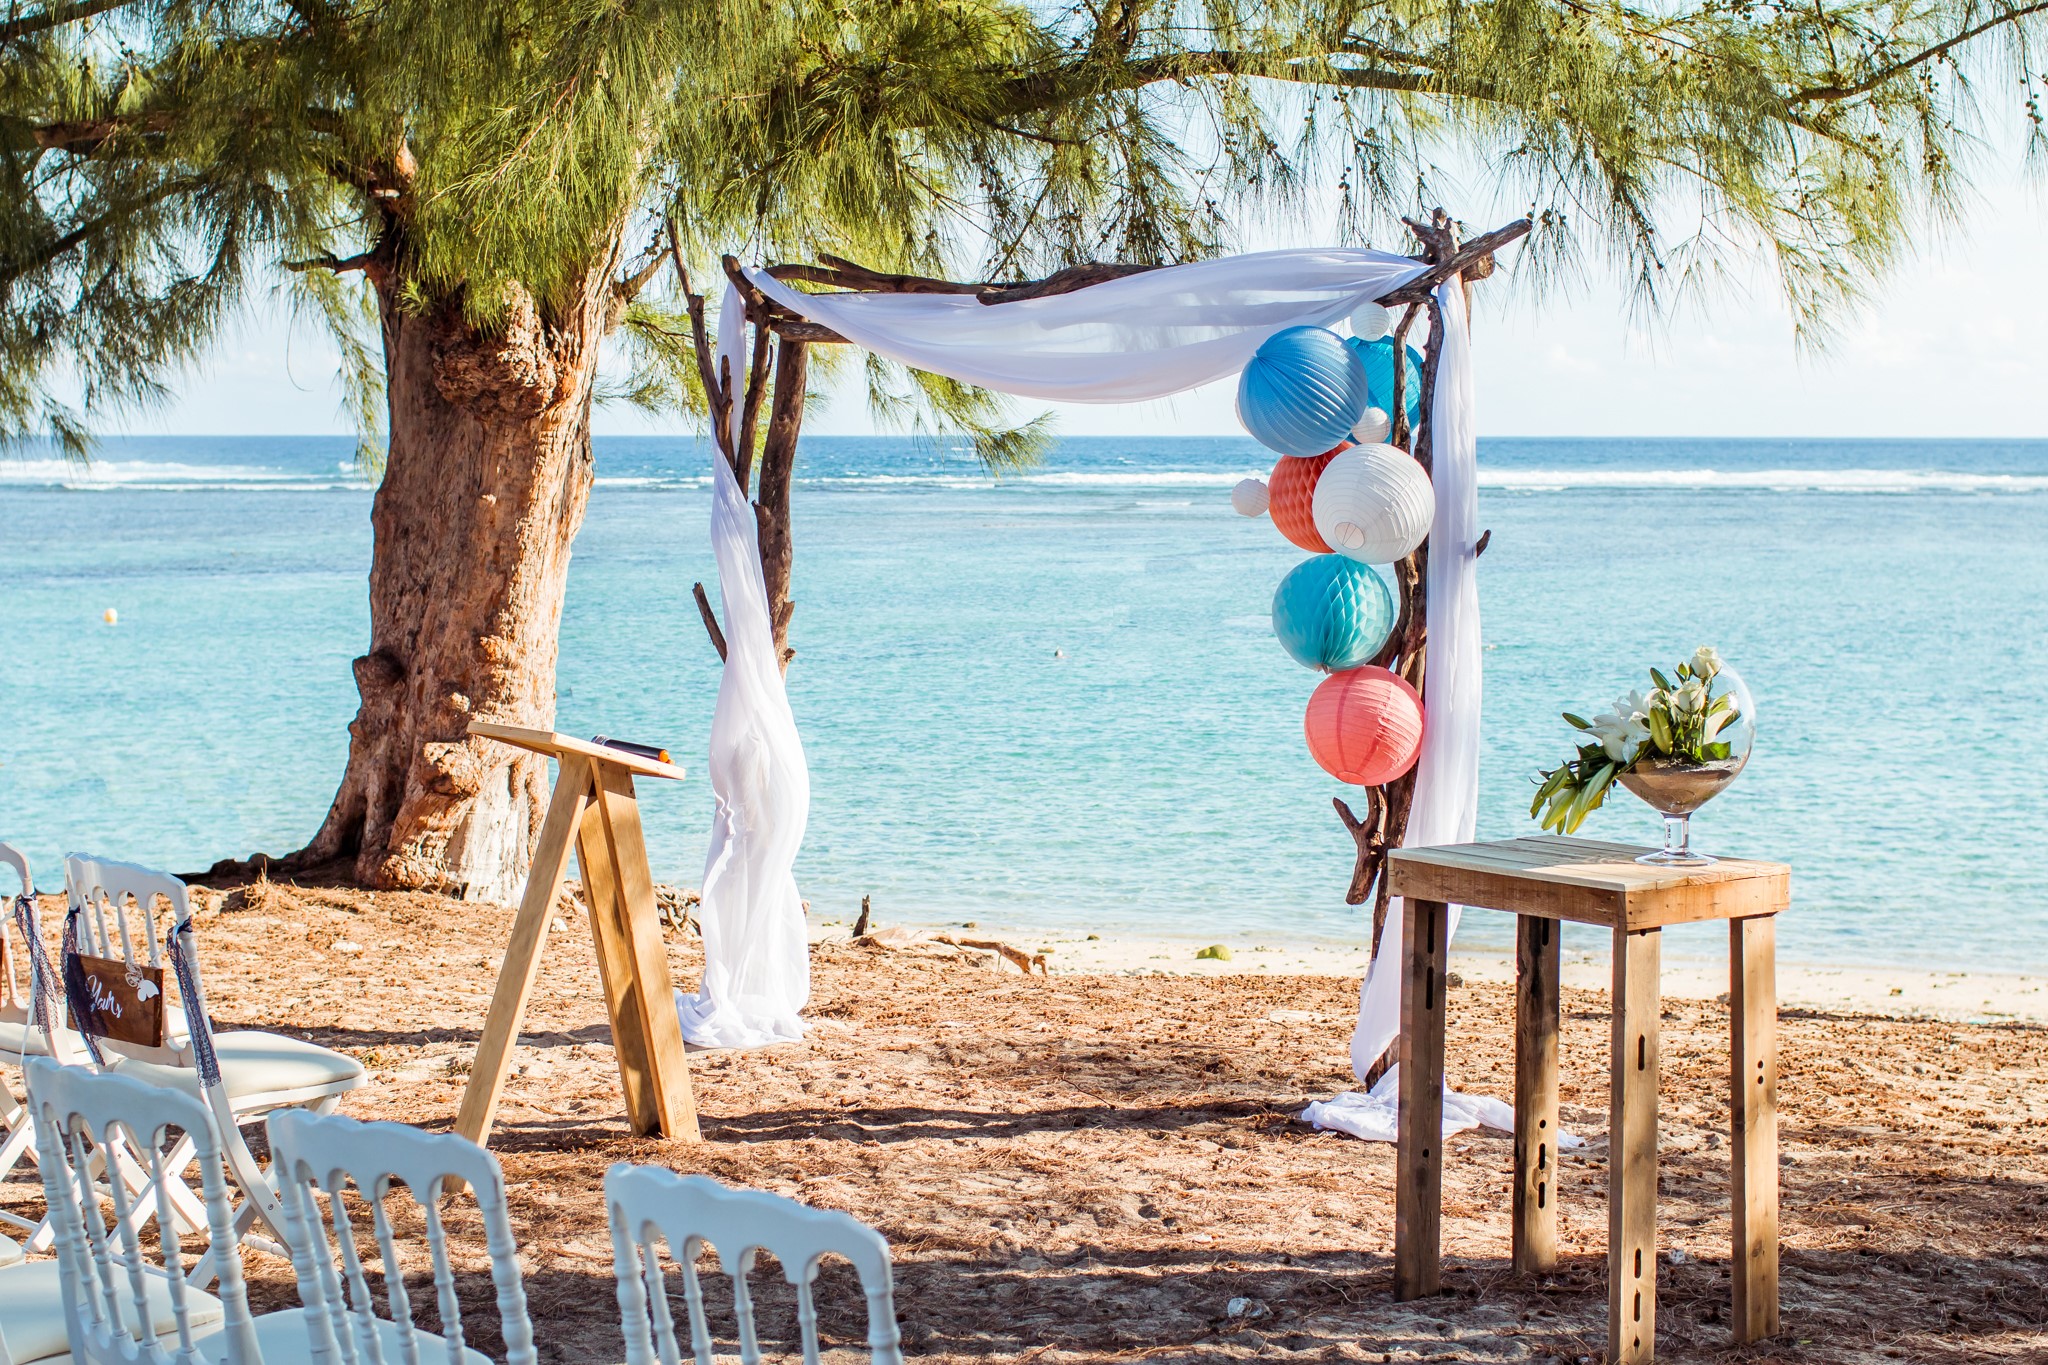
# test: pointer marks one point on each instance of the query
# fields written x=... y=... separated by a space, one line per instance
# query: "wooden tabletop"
x=1587 y=880
x=554 y=745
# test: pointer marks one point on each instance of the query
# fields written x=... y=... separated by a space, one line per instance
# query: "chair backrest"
x=110 y=1311
x=116 y=910
x=15 y=1000
x=648 y=1204
x=327 y=1153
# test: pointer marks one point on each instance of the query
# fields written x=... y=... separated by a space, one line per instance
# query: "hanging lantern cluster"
x=1322 y=401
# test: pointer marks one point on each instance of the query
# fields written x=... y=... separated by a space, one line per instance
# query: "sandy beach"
x=1897 y=992
x=1071 y=1170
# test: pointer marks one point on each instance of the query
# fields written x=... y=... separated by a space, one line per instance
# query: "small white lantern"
x=1249 y=497
x=1373 y=427
x=1371 y=321
x=1374 y=504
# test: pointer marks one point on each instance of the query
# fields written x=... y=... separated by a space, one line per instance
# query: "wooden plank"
x=1502 y=890
x=597 y=858
x=1587 y=882
x=667 y=1063
x=1418 y=1162
x=1761 y=894
x=1537 y=1012
x=1753 y=1016
x=522 y=953
x=1632 y=1151
x=555 y=745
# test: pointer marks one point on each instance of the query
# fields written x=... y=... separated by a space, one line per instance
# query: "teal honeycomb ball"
x=1332 y=613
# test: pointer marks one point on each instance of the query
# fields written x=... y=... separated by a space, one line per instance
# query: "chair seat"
x=33 y=1325
x=256 y=1063
x=19 y=1039
x=285 y=1341
x=10 y=1252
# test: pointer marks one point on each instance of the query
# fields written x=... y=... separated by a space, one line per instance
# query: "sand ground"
x=1097 y=1166
x=1903 y=992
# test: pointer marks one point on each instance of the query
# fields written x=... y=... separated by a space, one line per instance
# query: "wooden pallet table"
x=594 y=811
x=1544 y=880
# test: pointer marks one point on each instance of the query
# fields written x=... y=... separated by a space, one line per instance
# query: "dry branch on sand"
x=1096 y=1168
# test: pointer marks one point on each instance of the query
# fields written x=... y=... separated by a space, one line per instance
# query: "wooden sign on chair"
x=594 y=810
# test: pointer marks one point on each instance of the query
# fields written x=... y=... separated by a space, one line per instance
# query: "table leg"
x=1753 y=1015
x=1418 y=1181
x=1632 y=1152
x=1536 y=1025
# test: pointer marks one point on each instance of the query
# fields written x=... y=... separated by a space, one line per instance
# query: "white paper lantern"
x=1374 y=504
x=1371 y=321
x=1373 y=427
x=1249 y=498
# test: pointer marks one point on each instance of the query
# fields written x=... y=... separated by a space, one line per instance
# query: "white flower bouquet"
x=1696 y=721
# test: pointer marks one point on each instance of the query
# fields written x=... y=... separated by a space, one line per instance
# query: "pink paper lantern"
x=1364 y=726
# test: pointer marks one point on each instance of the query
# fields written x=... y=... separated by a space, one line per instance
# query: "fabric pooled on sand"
x=1374 y=1114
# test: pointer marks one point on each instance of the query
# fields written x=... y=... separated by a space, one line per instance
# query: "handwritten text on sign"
x=121 y=1003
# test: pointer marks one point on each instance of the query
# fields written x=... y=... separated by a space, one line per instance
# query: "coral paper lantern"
x=1290 y=498
x=1373 y=504
x=1303 y=391
x=1364 y=726
x=1332 y=613
x=1248 y=498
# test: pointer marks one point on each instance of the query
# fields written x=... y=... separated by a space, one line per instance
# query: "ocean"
x=1052 y=702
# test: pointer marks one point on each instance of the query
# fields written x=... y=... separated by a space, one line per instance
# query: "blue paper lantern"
x=1332 y=613
x=1378 y=358
x=1302 y=392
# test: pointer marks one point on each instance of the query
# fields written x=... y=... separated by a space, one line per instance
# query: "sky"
x=1954 y=343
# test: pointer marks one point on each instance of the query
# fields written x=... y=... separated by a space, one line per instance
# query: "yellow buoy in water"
x=111 y=617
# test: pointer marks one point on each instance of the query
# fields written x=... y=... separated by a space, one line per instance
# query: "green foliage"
x=1680 y=720
x=160 y=159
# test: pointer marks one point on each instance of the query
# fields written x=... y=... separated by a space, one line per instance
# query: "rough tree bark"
x=486 y=482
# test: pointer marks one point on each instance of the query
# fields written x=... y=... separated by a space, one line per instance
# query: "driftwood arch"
x=741 y=437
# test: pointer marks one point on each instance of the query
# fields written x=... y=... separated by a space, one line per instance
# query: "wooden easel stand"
x=594 y=809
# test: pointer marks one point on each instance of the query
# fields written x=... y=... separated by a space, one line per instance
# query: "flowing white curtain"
x=1446 y=806
x=1122 y=341
x=757 y=964
x=1141 y=337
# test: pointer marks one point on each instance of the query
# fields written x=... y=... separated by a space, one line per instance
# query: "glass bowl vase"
x=1676 y=785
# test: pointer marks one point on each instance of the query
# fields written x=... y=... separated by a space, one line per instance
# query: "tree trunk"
x=486 y=483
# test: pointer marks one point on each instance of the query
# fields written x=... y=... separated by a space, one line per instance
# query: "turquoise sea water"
x=1054 y=700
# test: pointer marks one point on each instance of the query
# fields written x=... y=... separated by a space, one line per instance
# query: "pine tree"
x=477 y=198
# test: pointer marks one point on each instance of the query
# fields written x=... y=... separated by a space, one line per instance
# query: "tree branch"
x=710 y=620
x=83 y=137
x=340 y=265
x=1820 y=94
x=28 y=25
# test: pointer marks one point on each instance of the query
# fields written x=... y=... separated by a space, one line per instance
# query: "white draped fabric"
x=1446 y=807
x=1142 y=337
x=1122 y=341
x=757 y=965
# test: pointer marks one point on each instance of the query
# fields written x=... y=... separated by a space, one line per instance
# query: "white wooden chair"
x=319 y=1156
x=103 y=1299
x=242 y=1075
x=648 y=1204
x=28 y=1006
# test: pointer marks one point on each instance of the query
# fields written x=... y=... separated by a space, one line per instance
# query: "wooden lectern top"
x=555 y=744
x=1587 y=880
